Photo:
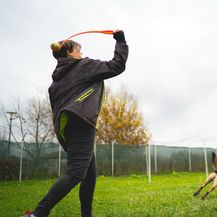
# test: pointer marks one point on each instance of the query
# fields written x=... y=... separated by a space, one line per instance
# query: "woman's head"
x=67 y=48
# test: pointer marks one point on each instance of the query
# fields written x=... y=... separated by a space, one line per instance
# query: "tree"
x=39 y=125
x=120 y=120
x=33 y=120
x=38 y=117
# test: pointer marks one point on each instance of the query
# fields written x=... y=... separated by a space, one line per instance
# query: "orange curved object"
x=108 y=32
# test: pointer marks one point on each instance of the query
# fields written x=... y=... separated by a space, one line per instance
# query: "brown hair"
x=60 y=48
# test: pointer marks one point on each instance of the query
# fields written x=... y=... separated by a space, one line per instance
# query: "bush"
x=9 y=169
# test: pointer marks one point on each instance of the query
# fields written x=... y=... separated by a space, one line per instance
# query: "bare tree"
x=34 y=118
x=39 y=125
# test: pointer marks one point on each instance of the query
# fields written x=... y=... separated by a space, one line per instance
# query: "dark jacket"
x=78 y=87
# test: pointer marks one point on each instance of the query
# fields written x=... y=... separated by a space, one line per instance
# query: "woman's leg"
x=87 y=187
x=57 y=192
x=80 y=141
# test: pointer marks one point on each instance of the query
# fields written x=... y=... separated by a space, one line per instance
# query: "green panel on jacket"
x=63 y=122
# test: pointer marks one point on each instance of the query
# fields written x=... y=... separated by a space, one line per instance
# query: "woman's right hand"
x=118 y=35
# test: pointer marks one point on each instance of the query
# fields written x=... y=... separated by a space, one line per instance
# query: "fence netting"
x=28 y=160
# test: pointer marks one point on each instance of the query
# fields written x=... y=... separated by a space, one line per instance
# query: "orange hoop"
x=108 y=32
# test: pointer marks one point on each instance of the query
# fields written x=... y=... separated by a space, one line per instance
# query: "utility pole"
x=12 y=116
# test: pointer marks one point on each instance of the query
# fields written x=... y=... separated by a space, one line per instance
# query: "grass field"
x=167 y=195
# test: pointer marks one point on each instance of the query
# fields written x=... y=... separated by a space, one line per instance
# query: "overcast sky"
x=172 y=65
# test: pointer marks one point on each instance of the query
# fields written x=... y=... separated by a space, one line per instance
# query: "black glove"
x=119 y=36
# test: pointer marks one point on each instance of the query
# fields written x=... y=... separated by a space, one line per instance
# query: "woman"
x=76 y=97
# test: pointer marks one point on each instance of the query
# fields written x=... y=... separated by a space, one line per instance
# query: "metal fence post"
x=21 y=162
x=189 y=158
x=59 y=162
x=205 y=154
x=155 y=158
x=21 y=158
x=113 y=142
x=95 y=150
x=205 y=159
x=146 y=158
x=149 y=163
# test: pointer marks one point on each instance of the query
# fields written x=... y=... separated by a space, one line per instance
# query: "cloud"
x=172 y=66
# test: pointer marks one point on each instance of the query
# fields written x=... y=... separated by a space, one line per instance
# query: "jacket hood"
x=63 y=66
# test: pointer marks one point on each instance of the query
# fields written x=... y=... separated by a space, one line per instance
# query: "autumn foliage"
x=120 y=120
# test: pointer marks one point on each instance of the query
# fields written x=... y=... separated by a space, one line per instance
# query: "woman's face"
x=76 y=53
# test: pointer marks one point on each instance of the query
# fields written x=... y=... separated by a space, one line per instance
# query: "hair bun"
x=55 y=46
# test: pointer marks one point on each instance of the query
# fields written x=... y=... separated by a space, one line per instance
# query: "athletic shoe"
x=28 y=214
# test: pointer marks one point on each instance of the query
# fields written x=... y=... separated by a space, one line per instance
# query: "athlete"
x=76 y=95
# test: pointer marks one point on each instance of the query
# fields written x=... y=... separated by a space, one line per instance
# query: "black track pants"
x=81 y=167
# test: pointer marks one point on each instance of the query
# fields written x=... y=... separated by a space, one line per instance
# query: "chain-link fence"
x=28 y=160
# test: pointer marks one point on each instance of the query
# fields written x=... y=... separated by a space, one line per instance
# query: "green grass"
x=167 y=195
